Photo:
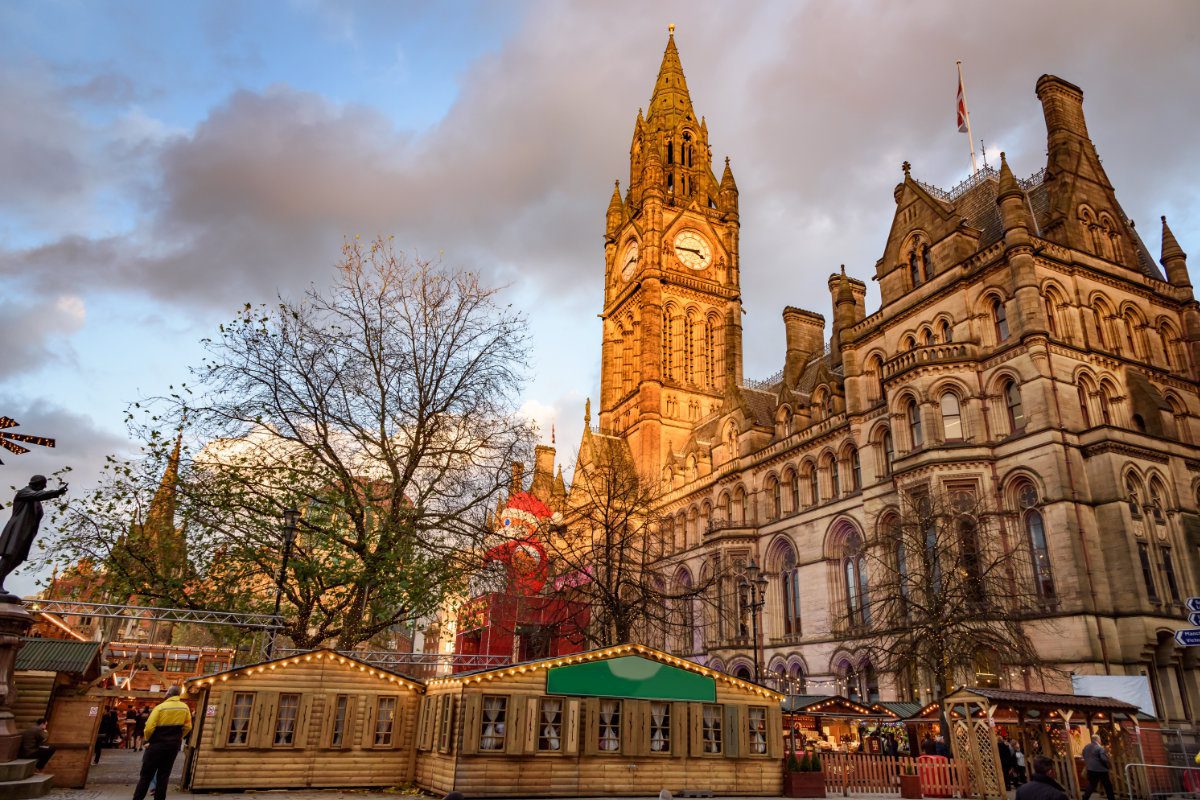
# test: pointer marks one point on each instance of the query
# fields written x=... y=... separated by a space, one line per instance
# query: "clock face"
x=693 y=250
x=629 y=260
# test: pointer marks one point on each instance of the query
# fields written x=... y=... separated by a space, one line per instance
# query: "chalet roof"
x=319 y=655
x=1043 y=700
x=59 y=655
x=602 y=653
x=834 y=705
x=901 y=710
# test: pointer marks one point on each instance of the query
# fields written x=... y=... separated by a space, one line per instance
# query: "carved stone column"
x=15 y=623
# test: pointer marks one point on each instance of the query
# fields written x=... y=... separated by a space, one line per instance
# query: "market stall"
x=833 y=723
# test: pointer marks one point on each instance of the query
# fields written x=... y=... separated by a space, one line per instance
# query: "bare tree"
x=609 y=555
x=384 y=408
x=949 y=591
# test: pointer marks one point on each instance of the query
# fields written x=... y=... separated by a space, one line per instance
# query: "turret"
x=1062 y=106
x=728 y=192
x=1014 y=211
x=1174 y=260
x=805 y=332
x=616 y=212
x=842 y=295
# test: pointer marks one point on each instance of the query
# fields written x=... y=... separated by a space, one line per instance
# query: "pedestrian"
x=109 y=733
x=127 y=729
x=928 y=746
x=1007 y=762
x=139 y=728
x=169 y=723
x=1097 y=764
x=1042 y=784
x=1019 y=772
x=941 y=748
x=33 y=744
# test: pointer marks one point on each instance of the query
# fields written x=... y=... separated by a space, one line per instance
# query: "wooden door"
x=74 y=721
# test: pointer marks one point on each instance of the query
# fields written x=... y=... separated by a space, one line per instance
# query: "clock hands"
x=690 y=250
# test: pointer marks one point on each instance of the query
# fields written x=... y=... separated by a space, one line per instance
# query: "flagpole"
x=967 y=115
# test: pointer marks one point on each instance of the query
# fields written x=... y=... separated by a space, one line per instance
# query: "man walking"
x=1097 y=764
x=169 y=723
x=1042 y=785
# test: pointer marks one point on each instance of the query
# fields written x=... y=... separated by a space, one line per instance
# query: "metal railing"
x=1150 y=781
x=234 y=619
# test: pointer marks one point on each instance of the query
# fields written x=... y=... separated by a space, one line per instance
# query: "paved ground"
x=114 y=778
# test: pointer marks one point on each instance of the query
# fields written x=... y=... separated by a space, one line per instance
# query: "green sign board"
x=631 y=676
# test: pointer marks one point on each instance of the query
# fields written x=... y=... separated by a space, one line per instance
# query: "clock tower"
x=672 y=348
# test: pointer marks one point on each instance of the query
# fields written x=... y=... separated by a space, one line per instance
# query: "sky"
x=161 y=164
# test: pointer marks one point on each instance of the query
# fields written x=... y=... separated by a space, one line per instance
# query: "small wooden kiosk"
x=319 y=719
x=624 y=720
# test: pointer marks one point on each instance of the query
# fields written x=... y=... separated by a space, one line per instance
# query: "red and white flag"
x=962 y=106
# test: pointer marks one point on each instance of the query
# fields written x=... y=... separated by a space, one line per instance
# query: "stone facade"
x=1027 y=346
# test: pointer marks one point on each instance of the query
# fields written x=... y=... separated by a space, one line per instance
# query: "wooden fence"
x=853 y=773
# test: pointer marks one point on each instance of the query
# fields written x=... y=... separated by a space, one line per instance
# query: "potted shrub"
x=910 y=782
x=803 y=776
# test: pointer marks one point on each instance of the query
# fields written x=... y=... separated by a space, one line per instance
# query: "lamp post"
x=291 y=519
x=756 y=597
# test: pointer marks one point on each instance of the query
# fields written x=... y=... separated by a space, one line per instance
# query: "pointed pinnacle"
x=1008 y=183
x=1170 y=245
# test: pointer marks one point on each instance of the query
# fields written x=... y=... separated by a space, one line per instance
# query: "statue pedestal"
x=15 y=623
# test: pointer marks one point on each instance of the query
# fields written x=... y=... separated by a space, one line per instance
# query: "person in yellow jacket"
x=169 y=724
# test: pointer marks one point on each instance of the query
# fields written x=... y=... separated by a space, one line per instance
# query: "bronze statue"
x=22 y=529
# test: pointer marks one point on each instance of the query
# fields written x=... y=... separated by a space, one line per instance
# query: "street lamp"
x=291 y=520
x=756 y=598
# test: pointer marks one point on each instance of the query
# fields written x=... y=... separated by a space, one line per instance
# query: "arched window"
x=739 y=506
x=1035 y=536
x=853 y=690
x=1000 y=319
x=926 y=336
x=814 y=486
x=914 y=269
x=1177 y=420
x=794 y=490
x=952 y=427
x=915 y=431
x=1082 y=390
x=1101 y=313
x=668 y=334
x=789 y=584
x=1106 y=402
x=854 y=583
x=835 y=483
x=1013 y=407
x=776 y=499
x=1051 y=315
x=888 y=452
x=926 y=262
x=875 y=378
x=1158 y=501
x=1133 y=496
x=1129 y=326
x=909 y=343
x=855 y=470
x=687 y=611
x=947 y=331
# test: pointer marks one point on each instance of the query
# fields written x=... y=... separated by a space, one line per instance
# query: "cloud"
x=34 y=334
x=817 y=104
x=81 y=444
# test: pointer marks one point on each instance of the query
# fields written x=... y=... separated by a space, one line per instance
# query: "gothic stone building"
x=1027 y=348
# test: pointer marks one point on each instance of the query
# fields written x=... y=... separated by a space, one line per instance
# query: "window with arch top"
x=1034 y=526
x=999 y=319
x=915 y=429
x=952 y=427
x=789 y=584
x=854 y=581
x=1014 y=409
x=947 y=331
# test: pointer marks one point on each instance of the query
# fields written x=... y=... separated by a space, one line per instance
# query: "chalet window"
x=660 y=727
x=239 y=718
x=610 y=726
x=446 y=718
x=757 y=739
x=340 y=712
x=285 y=720
x=711 y=729
x=494 y=722
x=550 y=724
x=385 y=720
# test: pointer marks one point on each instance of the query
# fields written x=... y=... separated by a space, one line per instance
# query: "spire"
x=587 y=412
x=160 y=518
x=728 y=191
x=1174 y=260
x=1008 y=183
x=845 y=293
x=616 y=210
x=670 y=100
x=727 y=182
